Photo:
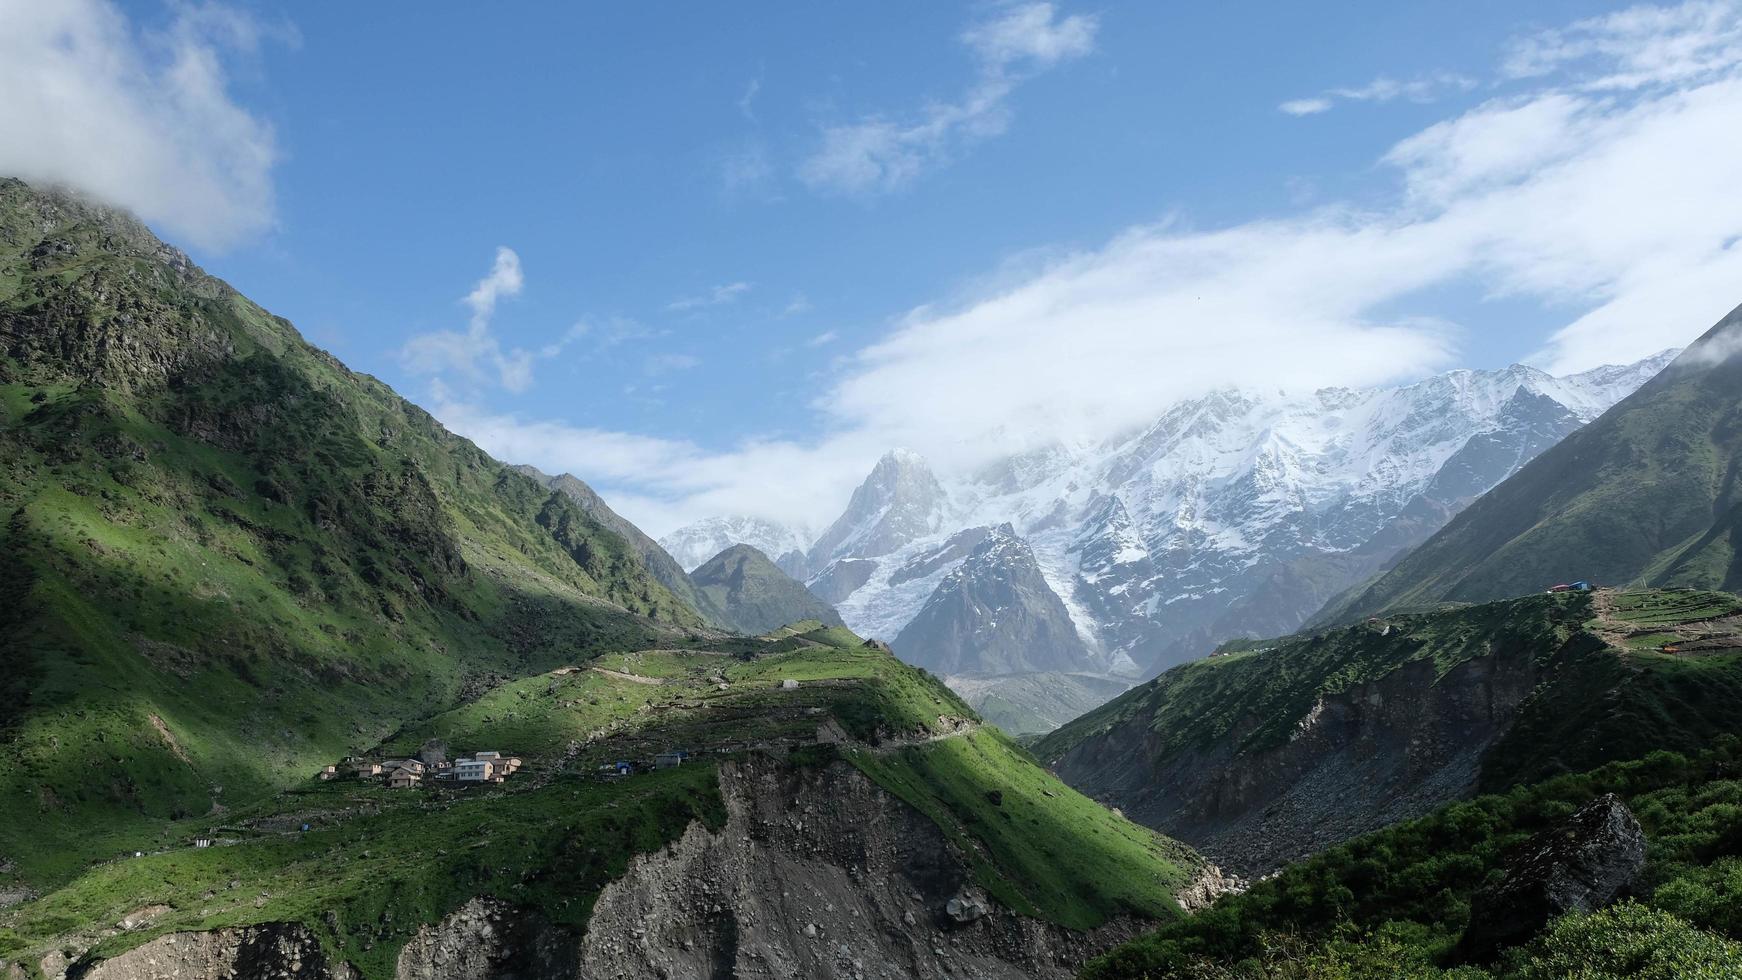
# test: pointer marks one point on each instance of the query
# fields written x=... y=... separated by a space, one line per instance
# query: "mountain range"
x=1234 y=514
x=1647 y=495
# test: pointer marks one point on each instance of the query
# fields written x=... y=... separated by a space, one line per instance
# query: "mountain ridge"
x=1643 y=495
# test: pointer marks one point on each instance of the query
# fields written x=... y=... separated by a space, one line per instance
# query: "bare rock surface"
x=1379 y=752
x=488 y=940
x=818 y=874
x=1579 y=865
x=267 y=952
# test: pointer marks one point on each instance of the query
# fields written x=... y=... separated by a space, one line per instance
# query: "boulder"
x=1579 y=865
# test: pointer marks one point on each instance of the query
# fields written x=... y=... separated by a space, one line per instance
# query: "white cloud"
x=1638 y=46
x=476 y=357
x=1382 y=89
x=658 y=364
x=143 y=119
x=1306 y=107
x=1611 y=209
x=718 y=296
x=879 y=154
x=823 y=339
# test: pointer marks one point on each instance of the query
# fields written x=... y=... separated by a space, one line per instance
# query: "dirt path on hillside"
x=631 y=678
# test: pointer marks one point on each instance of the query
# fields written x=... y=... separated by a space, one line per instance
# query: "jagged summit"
x=899 y=502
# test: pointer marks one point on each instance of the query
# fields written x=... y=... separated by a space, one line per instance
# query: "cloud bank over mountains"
x=1598 y=178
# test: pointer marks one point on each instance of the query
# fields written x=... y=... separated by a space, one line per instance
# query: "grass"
x=230 y=559
x=365 y=883
x=1039 y=847
x=1265 y=692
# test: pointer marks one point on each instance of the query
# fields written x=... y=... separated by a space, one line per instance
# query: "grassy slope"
x=1199 y=703
x=556 y=838
x=1595 y=705
x=1395 y=903
x=231 y=559
x=1644 y=495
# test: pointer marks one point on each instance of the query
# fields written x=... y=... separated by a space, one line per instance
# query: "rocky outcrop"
x=818 y=874
x=1376 y=753
x=489 y=940
x=1579 y=865
x=265 y=952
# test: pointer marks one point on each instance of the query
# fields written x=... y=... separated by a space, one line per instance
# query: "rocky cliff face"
x=818 y=875
x=1379 y=752
x=489 y=940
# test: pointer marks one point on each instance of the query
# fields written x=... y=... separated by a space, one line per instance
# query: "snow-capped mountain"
x=1237 y=513
x=694 y=544
x=994 y=614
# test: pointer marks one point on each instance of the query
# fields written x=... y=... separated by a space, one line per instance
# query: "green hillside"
x=753 y=595
x=1606 y=687
x=1645 y=495
x=229 y=558
x=1395 y=903
x=378 y=863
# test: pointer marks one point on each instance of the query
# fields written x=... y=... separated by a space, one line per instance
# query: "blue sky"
x=750 y=246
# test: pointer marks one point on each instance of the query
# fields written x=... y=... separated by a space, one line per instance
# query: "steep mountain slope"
x=228 y=556
x=1647 y=494
x=1234 y=514
x=661 y=565
x=993 y=614
x=753 y=596
x=863 y=816
x=1397 y=903
x=1271 y=751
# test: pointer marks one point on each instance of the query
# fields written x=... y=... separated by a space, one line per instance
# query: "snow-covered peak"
x=693 y=544
x=899 y=502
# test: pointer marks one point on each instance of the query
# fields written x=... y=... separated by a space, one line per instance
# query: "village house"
x=474 y=770
x=403 y=778
x=364 y=769
x=329 y=773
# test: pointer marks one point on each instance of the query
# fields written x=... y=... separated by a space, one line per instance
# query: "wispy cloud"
x=669 y=363
x=1638 y=46
x=878 y=154
x=475 y=356
x=747 y=101
x=144 y=119
x=718 y=296
x=823 y=339
x=1383 y=89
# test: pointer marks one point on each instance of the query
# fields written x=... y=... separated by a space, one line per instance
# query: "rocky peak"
x=995 y=614
x=900 y=502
